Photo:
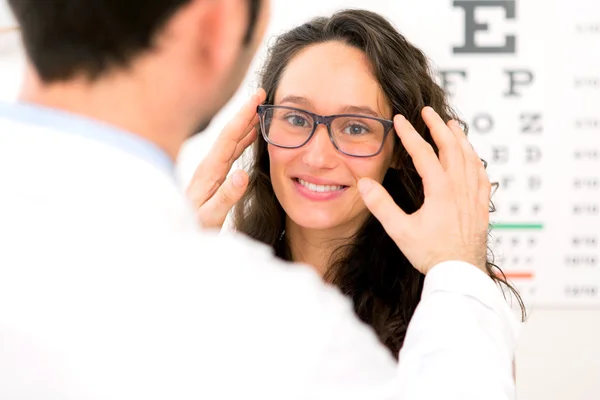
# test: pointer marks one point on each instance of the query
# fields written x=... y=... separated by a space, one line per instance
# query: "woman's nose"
x=319 y=152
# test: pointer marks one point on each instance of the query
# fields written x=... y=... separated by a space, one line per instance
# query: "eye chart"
x=525 y=76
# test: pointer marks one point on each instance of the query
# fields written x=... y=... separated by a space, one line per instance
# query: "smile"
x=318 y=192
x=320 y=188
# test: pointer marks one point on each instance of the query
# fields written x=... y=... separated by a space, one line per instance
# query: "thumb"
x=212 y=214
x=383 y=207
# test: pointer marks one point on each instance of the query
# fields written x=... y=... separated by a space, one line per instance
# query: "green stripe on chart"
x=504 y=226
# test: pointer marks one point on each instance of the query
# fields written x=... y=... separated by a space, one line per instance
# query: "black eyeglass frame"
x=322 y=120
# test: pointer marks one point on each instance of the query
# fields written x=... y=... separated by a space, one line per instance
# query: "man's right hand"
x=453 y=222
x=211 y=192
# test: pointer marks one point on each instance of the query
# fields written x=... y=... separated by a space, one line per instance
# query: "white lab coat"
x=109 y=291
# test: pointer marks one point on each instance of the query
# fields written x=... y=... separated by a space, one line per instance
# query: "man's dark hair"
x=254 y=11
x=64 y=38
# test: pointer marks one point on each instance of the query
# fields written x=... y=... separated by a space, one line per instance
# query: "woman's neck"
x=315 y=246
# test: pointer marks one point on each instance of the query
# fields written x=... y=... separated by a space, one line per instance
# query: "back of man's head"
x=65 y=38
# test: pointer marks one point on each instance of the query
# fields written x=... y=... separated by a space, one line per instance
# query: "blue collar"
x=33 y=114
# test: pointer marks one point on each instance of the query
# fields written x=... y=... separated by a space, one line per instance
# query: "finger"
x=213 y=213
x=239 y=127
x=450 y=154
x=223 y=151
x=383 y=207
x=245 y=143
x=424 y=158
x=469 y=153
x=472 y=164
x=246 y=118
x=213 y=170
x=484 y=189
x=210 y=174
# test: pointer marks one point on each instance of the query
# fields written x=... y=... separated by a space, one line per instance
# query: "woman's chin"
x=314 y=219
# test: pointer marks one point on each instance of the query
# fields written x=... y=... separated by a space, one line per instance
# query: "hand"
x=453 y=222
x=211 y=192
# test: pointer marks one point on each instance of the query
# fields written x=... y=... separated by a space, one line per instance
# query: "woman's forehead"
x=332 y=75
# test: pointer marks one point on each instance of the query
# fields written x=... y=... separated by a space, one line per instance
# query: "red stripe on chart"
x=518 y=275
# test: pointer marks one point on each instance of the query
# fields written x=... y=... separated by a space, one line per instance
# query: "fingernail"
x=238 y=179
x=364 y=186
x=454 y=123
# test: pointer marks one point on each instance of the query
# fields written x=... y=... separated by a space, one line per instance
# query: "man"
x=108 y=290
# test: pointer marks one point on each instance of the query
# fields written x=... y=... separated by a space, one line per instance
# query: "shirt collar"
x=33 y=114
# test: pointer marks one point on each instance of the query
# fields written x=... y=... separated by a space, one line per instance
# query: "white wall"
x=559 y=355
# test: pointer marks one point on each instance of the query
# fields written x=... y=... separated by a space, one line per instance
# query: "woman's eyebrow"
x=300 y=100
x=296 y=100
x=361 y=110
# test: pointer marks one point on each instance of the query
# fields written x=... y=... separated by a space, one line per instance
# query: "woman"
x=302 y=197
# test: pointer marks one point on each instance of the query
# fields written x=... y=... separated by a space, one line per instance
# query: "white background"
x=559 y=42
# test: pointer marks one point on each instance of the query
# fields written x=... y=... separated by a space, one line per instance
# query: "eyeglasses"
x=351 y=134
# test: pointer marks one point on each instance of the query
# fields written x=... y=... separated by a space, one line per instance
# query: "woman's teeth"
x=319 y=188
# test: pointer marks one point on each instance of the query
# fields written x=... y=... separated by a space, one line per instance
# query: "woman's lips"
x=318 y=191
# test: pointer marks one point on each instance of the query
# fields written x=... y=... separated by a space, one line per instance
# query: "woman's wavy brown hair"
x=372 y=271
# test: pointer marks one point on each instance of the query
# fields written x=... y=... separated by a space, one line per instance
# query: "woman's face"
x=316 y=184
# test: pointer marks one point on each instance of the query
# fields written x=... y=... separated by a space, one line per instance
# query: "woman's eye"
x=356 y=130
x=297 y=120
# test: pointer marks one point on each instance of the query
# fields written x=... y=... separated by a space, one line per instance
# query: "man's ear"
x=218 y=28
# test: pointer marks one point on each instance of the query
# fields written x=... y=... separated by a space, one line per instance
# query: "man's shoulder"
x=252 y=266
x=237 y=251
